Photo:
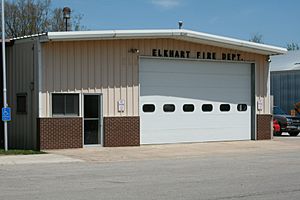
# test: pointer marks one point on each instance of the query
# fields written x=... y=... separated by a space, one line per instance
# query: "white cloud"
x=166 y=3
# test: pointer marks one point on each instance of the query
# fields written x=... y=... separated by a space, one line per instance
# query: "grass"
x=19 y=152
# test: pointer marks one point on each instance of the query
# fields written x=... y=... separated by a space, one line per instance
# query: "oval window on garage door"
x=224 y=107
x=207 y=107
x=148 y=108
x=242 y=107
x=188 y=108
x=169 y=108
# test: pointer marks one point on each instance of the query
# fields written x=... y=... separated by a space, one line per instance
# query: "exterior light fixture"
x=134 y=50
x=66 y=16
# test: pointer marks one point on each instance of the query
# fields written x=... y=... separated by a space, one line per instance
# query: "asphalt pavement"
x=234 y=170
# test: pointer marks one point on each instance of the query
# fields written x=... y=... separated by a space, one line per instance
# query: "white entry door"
x=194 y=101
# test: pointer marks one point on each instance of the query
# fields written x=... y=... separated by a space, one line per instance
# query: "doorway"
x=92 y=119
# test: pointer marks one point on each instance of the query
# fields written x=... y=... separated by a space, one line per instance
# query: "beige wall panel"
x=111 y=86
x=64 y=66
x=135 y=80
x=117 y=76
x=108 y=67
x=98 y=67
x=50 y=78
x=147 y=48
x=71 y=67
x=91 y=66
x=123 y=75
x=104 y=77
x=77 y=66
x=55 y=68
x=130 y=80
x=84 y=67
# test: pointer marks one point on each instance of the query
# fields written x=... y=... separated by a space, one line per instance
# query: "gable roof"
x=180 y=34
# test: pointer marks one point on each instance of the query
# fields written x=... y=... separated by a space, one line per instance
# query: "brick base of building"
x=121 y=131
x=60 y=133
x=264 y=129
x=65 y=133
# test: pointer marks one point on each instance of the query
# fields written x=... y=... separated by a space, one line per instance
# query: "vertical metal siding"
x=21 y=79
x=109 y=68
x=285 y=89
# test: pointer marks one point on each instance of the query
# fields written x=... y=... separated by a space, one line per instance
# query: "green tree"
x=27 y=17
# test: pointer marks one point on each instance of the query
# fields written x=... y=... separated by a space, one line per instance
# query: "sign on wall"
x=121 y=105
x=167 y=53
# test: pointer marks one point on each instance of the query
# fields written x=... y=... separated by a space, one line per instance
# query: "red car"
x=276 y=126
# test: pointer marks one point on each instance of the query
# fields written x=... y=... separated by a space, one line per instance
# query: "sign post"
x=7 y=111
x=6 y=114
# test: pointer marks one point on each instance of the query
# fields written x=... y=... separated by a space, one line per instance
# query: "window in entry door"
x=91 y=119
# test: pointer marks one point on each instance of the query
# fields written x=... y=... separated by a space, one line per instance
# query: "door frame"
x=100 y=125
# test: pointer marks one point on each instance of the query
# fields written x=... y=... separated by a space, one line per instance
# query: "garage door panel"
x=190 y=135
x=197 y=83
x=205 y=121
x=213 y=95
x=192 y=67
x=201 y=81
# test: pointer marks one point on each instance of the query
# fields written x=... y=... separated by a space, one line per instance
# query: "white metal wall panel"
x=182 y=82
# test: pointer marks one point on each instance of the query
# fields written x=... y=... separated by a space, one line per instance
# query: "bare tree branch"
x=27 y=17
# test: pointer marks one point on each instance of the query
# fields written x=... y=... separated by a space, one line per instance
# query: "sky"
x=278 y=21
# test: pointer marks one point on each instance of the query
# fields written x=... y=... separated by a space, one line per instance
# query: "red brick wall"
x=60 y=133
x=264 y=129
x=121 y=131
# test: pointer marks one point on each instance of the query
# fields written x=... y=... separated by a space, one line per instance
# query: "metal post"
x=4 y=77
x=66 y=24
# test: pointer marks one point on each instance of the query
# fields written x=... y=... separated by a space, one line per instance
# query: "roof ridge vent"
x=180 y=24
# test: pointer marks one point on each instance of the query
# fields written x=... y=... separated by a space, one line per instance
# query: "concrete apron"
x=170 y=151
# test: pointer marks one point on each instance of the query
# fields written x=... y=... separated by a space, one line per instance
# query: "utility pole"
x=4 y=81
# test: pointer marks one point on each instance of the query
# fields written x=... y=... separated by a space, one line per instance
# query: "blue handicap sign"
x=6 y=114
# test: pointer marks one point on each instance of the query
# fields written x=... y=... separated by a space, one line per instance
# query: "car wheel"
x=277 y=133
x=293 y=133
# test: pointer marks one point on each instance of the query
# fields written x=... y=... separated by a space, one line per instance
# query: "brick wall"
x=60 y=133
x=121 y=131
x=264 y=129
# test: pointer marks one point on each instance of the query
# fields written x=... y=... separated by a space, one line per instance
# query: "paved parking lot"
x=248 y=170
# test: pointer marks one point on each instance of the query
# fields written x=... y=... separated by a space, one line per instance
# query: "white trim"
x=100 y=120
x=182 y=34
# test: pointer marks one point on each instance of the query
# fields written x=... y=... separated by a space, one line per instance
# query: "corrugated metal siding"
x=20 y=70
x=285 y=87
x=109 y=68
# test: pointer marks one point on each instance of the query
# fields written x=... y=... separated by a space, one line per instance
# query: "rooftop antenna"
x=180 y=24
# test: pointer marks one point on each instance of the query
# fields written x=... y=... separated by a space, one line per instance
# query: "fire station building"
x=134 y=87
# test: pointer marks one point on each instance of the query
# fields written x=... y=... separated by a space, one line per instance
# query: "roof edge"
x=181 y=34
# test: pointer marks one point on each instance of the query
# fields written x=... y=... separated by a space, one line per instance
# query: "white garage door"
x=194 y=101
